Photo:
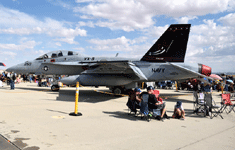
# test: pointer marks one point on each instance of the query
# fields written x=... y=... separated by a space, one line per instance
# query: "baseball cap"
x=137 y=89
x=150 y=88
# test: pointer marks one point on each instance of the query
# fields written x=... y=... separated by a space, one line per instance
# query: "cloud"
x=136 y=47
x=228 y=19
x=155 y=31
x=69 y=33
x=118 y=44
x=38 y=52
x=130 y=15
x=184 y=20
x=16 y=22
x=212 y=44
x=58 y=43
x=213 y=38
x=22 y=46
x=80 y=49
x=60 y=3
x=117 y=14
x=8 y=53
x=67 y=40
x=88 y=24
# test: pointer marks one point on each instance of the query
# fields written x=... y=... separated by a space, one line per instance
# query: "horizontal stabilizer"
x=188 y=71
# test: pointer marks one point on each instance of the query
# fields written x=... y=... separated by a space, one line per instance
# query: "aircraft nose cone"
x=11 y=69
x=17 y=68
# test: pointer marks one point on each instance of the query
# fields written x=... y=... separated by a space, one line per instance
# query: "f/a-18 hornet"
x=163 y=61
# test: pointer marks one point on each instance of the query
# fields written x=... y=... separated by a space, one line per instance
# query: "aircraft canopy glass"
x=56 y=54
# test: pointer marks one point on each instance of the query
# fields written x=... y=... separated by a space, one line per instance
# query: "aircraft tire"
x=55 y=88
x=117 y=90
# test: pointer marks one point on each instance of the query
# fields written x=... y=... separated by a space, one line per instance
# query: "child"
x=179 y=111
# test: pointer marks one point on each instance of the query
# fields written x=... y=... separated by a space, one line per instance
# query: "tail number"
x=158 y=70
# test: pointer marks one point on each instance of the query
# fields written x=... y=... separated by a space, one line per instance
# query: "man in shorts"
x=156 y=102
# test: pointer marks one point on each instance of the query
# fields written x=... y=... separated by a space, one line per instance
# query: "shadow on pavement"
x=125 y=115
x=88 y=95
x=42 y=89
x=176 y=99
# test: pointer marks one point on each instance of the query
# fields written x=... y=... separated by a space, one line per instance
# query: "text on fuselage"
x=89 y=58
x=158 y=70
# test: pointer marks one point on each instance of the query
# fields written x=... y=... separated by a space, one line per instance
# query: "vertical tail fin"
x=171 y=46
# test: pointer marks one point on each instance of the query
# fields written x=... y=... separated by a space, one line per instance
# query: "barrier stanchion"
x=176 y=86
x=222 y=89
x=76 y=113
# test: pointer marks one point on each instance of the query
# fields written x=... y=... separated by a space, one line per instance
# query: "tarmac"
x=35 y=118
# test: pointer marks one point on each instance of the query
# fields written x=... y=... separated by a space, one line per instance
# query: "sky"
x=28 y=29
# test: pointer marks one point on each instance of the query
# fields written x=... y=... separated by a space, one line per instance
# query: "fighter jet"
x=163 y=61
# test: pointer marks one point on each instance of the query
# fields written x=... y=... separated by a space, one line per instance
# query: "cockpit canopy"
x=56 y=54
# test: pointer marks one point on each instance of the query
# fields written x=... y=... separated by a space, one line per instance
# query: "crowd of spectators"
x=13 y=78
x=150 y=104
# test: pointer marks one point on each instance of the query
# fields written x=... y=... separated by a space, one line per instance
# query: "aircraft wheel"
x=117 y=90
x=55 y=88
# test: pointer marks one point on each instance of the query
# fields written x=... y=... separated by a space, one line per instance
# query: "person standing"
x=11 y=80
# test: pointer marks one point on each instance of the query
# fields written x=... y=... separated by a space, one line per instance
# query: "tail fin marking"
x=171 y=46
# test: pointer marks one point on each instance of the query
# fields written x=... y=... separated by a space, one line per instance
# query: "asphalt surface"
x=5 y=144
x=35 y=118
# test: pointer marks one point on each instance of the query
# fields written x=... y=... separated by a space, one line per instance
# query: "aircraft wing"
x=193 y=73
x=123 y=67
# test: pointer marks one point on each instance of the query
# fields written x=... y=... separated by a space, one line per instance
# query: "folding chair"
x=156 y=93
x=214 y=110
x=199 y=103
x=233 y=105
x=225 y=102
x=156 y=112
x=144 y=107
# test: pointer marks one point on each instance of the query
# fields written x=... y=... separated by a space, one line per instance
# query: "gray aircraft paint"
x=163 y=61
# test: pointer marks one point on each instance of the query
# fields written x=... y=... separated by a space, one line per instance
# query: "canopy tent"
x=2 y=64
x=230 y=81
x=216 y=77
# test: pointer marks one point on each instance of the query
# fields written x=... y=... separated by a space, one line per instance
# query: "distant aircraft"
x=163 y=61
x=2 y=64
